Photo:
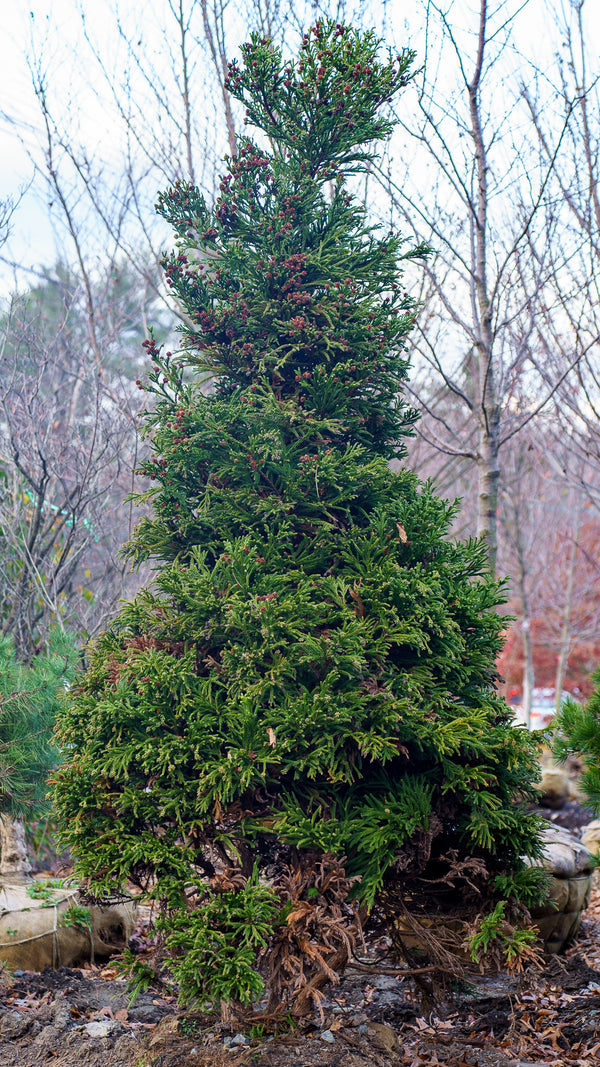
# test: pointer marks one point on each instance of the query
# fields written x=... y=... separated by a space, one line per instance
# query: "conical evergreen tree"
x=298 y=718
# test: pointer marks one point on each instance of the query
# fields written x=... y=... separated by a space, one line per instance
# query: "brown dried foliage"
x=116 y=668
x=319 y=935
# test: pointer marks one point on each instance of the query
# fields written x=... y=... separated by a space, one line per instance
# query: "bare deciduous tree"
x=568 y=325
x=484 y=195
x=549 y=545
x=67 y=455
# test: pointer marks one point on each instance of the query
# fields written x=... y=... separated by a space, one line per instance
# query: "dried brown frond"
x=116 y=668
x=319 y=936
x=427 y=917
x=228 y=881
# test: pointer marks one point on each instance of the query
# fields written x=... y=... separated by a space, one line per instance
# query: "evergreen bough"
x=295 y=726
x=577 y=733
x=29 y=699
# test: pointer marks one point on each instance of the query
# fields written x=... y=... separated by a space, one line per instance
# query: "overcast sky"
x=30 y=28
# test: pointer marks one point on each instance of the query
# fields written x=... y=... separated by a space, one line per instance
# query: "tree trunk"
x=528 y=673
x=489 y=476
x=566 y=629
x=528 y=669
x=14 y=864
x=487 y=460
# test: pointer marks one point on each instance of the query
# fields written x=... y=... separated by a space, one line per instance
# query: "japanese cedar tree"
x=295 y=726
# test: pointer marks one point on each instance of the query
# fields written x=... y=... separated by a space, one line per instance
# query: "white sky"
x=24 y=28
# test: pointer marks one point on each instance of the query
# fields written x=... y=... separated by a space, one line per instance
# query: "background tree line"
x=497 y=172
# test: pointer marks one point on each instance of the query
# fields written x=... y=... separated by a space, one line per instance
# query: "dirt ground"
x=84 y=1018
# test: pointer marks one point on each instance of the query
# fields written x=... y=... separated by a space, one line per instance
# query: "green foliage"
x=44 y=889
x=190 y=1027
x=307 y=689
x=577 y=732
x=76 y=915
x=29 y=700
x=530 y=885
x=212 y=951
x=140 y=974
x=513 y=946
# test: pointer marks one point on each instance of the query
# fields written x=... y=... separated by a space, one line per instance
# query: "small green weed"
x=139 y=975
x=43 y=890
x=190 y=1027
x=76 y=915
x=517 y=946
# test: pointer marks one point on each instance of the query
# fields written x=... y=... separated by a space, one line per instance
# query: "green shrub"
x=29 y=699
x=212 y=950
x=307 y=689
x=577 y=733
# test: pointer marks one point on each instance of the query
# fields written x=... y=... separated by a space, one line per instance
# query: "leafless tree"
x=67 y=455
x=568 y=325
x=549 y=546
x=465 y=176
x=568 y=596
x=7 y=209
x=472 y=187
x=522 y=517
